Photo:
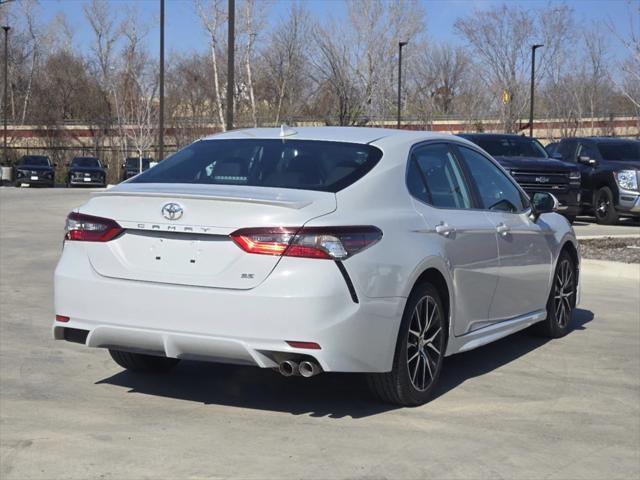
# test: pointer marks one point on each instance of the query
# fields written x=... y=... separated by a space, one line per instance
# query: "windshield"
x=620 y=150
x=134 y=163
x=511 y=147
x=36 y=161
x=85 y=162
x=298 y=164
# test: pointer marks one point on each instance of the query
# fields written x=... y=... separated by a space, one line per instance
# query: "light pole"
x=161 y=126
x=231 y=62
x=533 y=73
x=6 y=29
x=400 y=45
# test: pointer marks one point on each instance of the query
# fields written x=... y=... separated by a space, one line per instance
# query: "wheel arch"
x=435 y=276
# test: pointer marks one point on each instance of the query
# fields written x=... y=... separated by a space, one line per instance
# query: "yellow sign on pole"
x=506 y=96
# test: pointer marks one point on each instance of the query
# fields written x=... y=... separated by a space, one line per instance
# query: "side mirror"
x=586 y=160
x=543 y=202
x=106 y=167
x=557 y=156
x=55 y=165
x=67 y=164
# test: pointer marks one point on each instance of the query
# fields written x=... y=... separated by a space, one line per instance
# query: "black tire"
x=399 y=386
x=604 y=208
x=137 y=362
x=560 y=310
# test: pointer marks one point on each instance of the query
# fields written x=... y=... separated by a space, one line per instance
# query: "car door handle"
x=444 y=229
x=502 y=229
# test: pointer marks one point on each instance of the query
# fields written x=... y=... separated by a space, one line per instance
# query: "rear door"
x=467 y=238
x=523 y=245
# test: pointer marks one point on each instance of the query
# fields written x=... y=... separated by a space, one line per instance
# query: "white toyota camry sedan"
x=316 y=250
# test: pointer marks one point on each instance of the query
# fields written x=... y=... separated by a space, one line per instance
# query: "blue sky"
x=184 y=34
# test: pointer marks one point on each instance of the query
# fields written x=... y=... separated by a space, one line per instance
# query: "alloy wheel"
x=603 y=206
x=424 y=343
x=564 y=292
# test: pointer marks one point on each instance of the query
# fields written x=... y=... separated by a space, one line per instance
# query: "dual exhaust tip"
x=306 y=368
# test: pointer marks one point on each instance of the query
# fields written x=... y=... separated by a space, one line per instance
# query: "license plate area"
x=34 y=177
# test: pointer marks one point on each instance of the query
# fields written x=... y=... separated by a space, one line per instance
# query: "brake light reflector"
x=88 y=228
x=62 y=318
x=329 y=243
x=307 y=345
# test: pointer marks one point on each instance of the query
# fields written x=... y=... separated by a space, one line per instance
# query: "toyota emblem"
x=172 y=211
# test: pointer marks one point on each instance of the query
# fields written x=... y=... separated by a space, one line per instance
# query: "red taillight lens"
x=87 y=228
x=307 y=345
x=331 y=243
x=62 y=318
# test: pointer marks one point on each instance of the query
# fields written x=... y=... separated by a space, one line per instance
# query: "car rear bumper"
x=302 y=300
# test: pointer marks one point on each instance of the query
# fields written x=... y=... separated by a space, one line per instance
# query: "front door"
x=523 y=245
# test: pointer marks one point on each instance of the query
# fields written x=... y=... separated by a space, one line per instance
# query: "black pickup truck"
x=610 y=170
x=529 y=164
x=34 y=170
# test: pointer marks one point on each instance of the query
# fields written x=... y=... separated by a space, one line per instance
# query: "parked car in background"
x=86 y=171
x=132 y=166
x=316 y=250
x=34 y=170
x=529 y=164
x=610 y=178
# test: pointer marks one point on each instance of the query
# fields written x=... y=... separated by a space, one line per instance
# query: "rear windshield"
x=85 y=162
x=298 y=164
x=620 y=150
x=511 y=147
x=134 y=163
x=36 y=161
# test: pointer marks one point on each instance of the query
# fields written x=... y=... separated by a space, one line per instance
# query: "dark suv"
x=34 y=170
x=132 y=166
x=529 y=164
x=610 y=178
x=86 y=171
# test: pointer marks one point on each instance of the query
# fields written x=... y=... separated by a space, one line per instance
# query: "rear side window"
x=494 y=188
x=297 y=164
x=619 y=150
x=434 y=177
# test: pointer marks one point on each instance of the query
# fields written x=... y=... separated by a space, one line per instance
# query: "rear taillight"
x=87 y=228
x=331 y=243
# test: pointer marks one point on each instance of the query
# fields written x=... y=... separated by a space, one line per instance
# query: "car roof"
x=603 y=139
x=491 y=135
x=363 y=135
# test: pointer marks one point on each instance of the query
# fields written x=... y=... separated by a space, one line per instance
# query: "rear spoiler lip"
x=292 y=204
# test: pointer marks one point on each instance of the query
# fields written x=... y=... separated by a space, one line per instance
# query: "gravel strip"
x=625 y=250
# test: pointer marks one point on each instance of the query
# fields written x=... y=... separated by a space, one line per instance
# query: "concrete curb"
x=594 y=237
x=604 y=268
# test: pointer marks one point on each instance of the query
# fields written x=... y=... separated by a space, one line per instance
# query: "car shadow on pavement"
x=459 y=368
x=331 y=395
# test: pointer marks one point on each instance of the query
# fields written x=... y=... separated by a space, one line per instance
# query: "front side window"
x=85 y=162
x=434 y=177
x=586 y=150
x=297 y=164
x=494 y=188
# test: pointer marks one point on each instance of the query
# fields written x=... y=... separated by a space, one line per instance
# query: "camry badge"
x=172 y=211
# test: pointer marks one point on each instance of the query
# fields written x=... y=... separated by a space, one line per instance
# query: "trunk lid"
x=179 y=233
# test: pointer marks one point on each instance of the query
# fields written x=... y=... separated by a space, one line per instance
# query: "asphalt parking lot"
x=522 y=407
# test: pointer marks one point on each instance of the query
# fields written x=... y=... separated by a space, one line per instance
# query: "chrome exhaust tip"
x=309 y=369
x=288 y=368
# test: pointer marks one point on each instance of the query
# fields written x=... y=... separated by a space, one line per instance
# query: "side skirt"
x=491 y=333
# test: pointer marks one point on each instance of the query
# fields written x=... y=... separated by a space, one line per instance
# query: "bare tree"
x=136 y=91
x=213 y=17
